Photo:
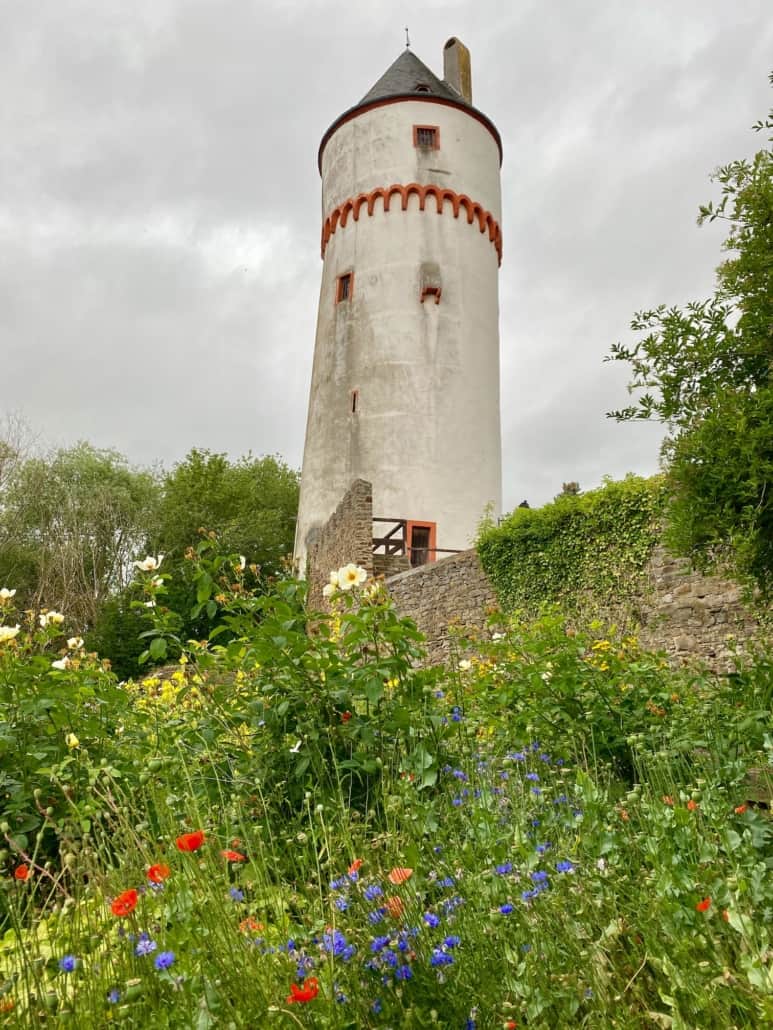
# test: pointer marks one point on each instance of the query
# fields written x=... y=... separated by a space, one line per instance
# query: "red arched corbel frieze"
x=474 y=211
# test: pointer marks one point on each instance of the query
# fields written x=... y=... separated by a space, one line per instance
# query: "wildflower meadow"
x=295 y=823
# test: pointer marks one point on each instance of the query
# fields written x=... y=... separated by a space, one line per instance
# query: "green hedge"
x=584 y=553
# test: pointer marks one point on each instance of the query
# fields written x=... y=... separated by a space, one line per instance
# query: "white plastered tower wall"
x=405 y=390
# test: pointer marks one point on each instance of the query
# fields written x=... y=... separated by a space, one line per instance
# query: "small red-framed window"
x=433 y=292
x=421 y=538
x=344 y=287
x=426 y=137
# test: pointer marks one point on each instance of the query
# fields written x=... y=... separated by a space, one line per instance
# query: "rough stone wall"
x=452 y=591
x=689 y=615
x=346 y=537
x=390 y=564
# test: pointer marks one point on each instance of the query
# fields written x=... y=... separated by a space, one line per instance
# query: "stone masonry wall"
x=684 y=613
x=689 y=615
x=452 y=591
x=346 y=537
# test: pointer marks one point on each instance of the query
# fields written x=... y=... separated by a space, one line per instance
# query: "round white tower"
x=405 y=381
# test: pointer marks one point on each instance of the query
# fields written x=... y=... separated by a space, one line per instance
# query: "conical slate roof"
x=409 y=78
x=409 y=75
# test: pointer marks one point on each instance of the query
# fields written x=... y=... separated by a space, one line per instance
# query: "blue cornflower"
x=236 y=894
x=536 y=791
x=561 y=799
x=439 y=694
x=376 y=916
x=456 y=802
x=68 y=963
x=543 y=757
x=113 y=995
x=339 y=884
x=437 y=849
x=451 y=903
x=164 y=960
x=477 y=792
x=517 y=756
x=538 y=876
x=542 y=848
x=353 y=875
x=440 y=958
x=577 y=812
x=431 y=919
x=506 y=909
x=447 y=881
x=403 y=945
x=452 y=941
x=379 y=943
x=504 y=869
x=456 y=714
x=334 y=942
x=446 y=768
x=460 y=774
x=528 y=895
x=564 y=867
x=341 y=904
x=403 y=973
x=145 y=946
x=534 y=777
x=372 y=892
x=504 y=775
x=376 y=1006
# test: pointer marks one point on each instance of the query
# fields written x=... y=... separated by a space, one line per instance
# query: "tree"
x=70 y=526
x=706 y=371
x=250 y=503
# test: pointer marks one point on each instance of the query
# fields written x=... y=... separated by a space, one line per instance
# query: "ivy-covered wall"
x=587 y=553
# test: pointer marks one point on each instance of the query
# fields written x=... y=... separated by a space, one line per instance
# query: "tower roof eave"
x=408 y=78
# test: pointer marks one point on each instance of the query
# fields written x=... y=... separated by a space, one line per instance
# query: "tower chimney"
x=456 y=67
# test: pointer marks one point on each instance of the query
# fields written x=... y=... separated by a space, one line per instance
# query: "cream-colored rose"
x=8 y=633
x=351 y=575
x=6 y=594
x=60 y=664
x=51 y=618
x=75 y=643
x=328 y=590
x=149 y=563
x=465 y=664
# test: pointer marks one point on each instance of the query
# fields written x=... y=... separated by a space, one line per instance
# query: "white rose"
x=149 y=563
x=8 y=633
x=6 y=594
x=75 y=643
x=351 y=575
x=465 y=664
x=61 y=664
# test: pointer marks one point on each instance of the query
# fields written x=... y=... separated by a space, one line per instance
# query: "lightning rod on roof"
x=407 y=38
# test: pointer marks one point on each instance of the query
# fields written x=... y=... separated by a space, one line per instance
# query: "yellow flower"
x=6 y=595
x=47 y=618
x=72 y=741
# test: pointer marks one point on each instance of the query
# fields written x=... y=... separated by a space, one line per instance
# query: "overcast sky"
x=160 y=212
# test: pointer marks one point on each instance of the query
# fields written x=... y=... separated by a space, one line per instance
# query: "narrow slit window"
x=426 y=137
x=355 y=399
x=433 y=292
x=344 y=287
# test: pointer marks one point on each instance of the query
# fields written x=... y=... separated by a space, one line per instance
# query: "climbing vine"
x=586 y=553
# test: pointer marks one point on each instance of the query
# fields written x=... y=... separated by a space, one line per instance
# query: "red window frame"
x=434 y=129
x=432 y=527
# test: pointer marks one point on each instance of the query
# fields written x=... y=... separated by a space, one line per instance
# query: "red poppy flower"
x=704 y=905
x=740 y=809
x=692 y=805
x=399 y=875
x=346 y=716
x=667 y=799
x=308 y=992
x=233 y=856
x=355 y=866
x=158 y=873
x=22 y=872
x=124 y=903
x=190 y=841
